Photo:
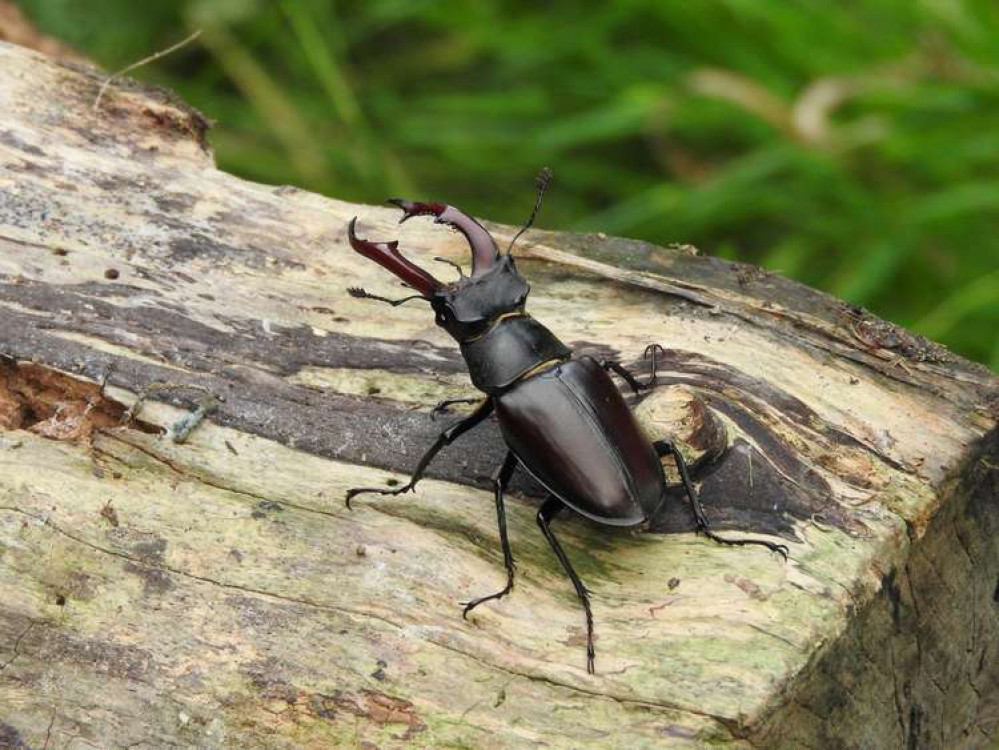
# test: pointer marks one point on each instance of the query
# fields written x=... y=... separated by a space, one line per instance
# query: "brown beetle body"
x=563 y=419
x=571 y=429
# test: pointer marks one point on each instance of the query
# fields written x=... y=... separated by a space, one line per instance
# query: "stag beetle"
x=562 y=418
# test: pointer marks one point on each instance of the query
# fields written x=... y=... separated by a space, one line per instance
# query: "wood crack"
x=204 y=579
x=577 y=689
x=16 y=648
x=361 y=614
x=201 y=479
x=243 y=286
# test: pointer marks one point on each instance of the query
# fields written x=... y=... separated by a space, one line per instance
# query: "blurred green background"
x=852 y=144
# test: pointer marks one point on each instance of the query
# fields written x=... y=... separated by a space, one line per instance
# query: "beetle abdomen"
x=571 y=428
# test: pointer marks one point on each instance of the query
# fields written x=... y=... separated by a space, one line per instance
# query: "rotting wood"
x=228 y=599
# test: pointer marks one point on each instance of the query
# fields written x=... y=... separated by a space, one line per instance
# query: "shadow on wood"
x=217 y=593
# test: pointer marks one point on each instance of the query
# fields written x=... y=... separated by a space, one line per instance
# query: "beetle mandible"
x=562 y=417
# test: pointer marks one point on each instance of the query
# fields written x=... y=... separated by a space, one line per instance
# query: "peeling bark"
x=216 y=592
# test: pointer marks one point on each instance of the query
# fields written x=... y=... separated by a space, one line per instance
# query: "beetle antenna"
x=542 y=183
x=461 y=271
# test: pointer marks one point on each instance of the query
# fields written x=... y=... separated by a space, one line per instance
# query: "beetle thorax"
x=467 y=308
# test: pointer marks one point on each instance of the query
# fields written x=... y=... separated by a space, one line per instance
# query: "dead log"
x=216 y=592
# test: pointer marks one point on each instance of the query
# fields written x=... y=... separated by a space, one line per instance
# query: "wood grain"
x=217 y=593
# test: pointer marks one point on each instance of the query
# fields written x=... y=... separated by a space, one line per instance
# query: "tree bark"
x=216 y=592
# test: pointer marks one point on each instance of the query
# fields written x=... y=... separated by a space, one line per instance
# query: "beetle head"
x=467 y=307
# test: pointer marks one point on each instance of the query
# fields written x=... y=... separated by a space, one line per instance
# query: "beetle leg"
x=651 y=351
x=500 y=481
x=551 y=508
x=664 y=448
x=631 y=380
x=359 y=293
x=442 y=406
x=447 y=437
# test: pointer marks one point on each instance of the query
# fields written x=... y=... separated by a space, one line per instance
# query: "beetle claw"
x=417 y=208
x=652 y=350
x=482 y=244
x=350 y=496
x=360 y=244
x=469 y=606
x=387 y=255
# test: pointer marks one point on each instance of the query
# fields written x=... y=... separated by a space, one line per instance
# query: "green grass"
x=852 y=145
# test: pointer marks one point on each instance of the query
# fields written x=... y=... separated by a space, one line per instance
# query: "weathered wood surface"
x=218 y=594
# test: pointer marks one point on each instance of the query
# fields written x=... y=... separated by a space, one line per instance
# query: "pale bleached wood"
x=230 y=600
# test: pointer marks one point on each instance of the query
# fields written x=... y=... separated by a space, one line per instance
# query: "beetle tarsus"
x=666 y=448
x=651 y=352
x=351 y=494
x=551 y=508
x=447 y=437
x=501 y=479
x=631 y=380
x=780 y=549
x=442 y=406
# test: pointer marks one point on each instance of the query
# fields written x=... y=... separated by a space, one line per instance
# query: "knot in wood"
x=679 y=414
